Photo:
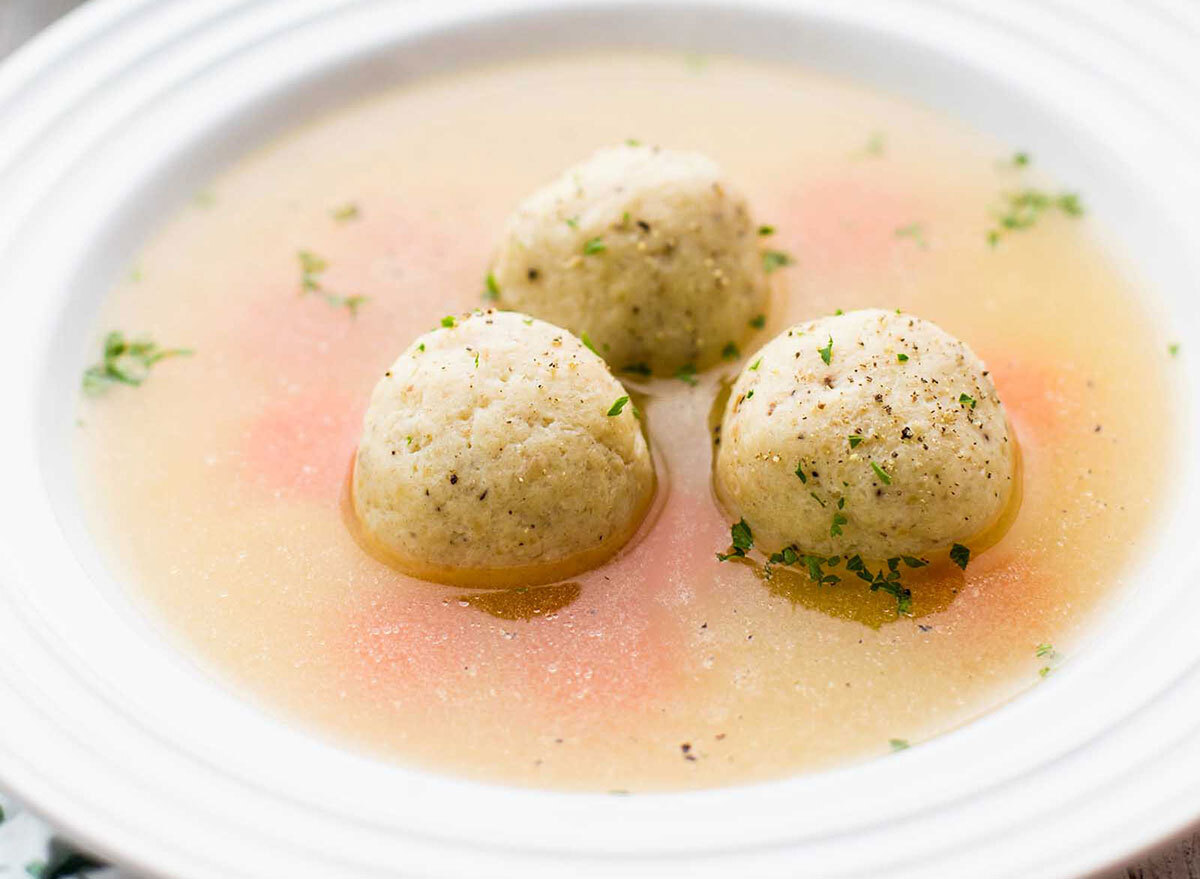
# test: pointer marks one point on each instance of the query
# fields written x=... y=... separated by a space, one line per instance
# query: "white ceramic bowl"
x=119 y=112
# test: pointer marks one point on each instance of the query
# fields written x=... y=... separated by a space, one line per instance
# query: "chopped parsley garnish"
x=345 y=213
x=126 y=362
x=1173 y=349
x=775 y=259
x=594 y=245
x=350 y=303
x=898 y=744
x=742 y=540
x=686 y=374
x=816 y=569
x=632 y=142
x=1043 y=671
x=1020 y=160
x=1021 y=210
x=967 y=400
x=960 y=555
x=573 y=222
x=884 y=580
x=786 y=556
x=755 y=365
x=311 y=266
x=1044 y=650
x=749 y=393
x=827 y=352
x=758 y=321
x=311 y=269
x=615 y=408
x=741 y=535
x=835 y=527
x=881 y=473
x=914 y=231
x=816 y=497
x=766 y=230
x=913 y=561
x=491 y=290
x=902 y=357
x=587 y=342
x=421 y=347
x=730 y=351
x=636 y=369
x=449 y=321
x=855 y=439
x=800 y=472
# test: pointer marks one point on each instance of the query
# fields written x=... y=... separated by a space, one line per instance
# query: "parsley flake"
x=311 y=269
x=800 y=473
x=616 y=407
x=449 y=321
x=741 y=538
x=587 y=343
x=687 y=374
x=766 y=230
x=1044 y=650
x=855 y=439
x=345 y=213
x=916 y=232
x=967 y=400
x=636 y=369
x=775 y=259
x=876 y=145
x=755 y=365
x=594 y=245
x=835 y=527
x=1173 y=349
x=898 y=744
x=758 y=321
x=902 y=358
x=126 y=361
x=881 y=473
x=491 y=290
x=960 y=555
x=827 y=352
x=1022 y=209
x=730 y=351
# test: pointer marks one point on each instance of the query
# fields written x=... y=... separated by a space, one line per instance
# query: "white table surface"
x=21 y=834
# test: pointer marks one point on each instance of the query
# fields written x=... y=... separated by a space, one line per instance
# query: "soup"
x=219 y=485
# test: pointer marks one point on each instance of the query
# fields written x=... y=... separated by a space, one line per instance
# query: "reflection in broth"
x=524 y=602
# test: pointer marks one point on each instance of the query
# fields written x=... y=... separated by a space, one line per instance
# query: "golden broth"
x=217 y=487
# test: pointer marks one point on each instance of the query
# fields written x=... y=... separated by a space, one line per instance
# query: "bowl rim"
x=92 y=87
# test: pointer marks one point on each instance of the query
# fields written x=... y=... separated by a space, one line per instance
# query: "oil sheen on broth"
x=218 y=486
